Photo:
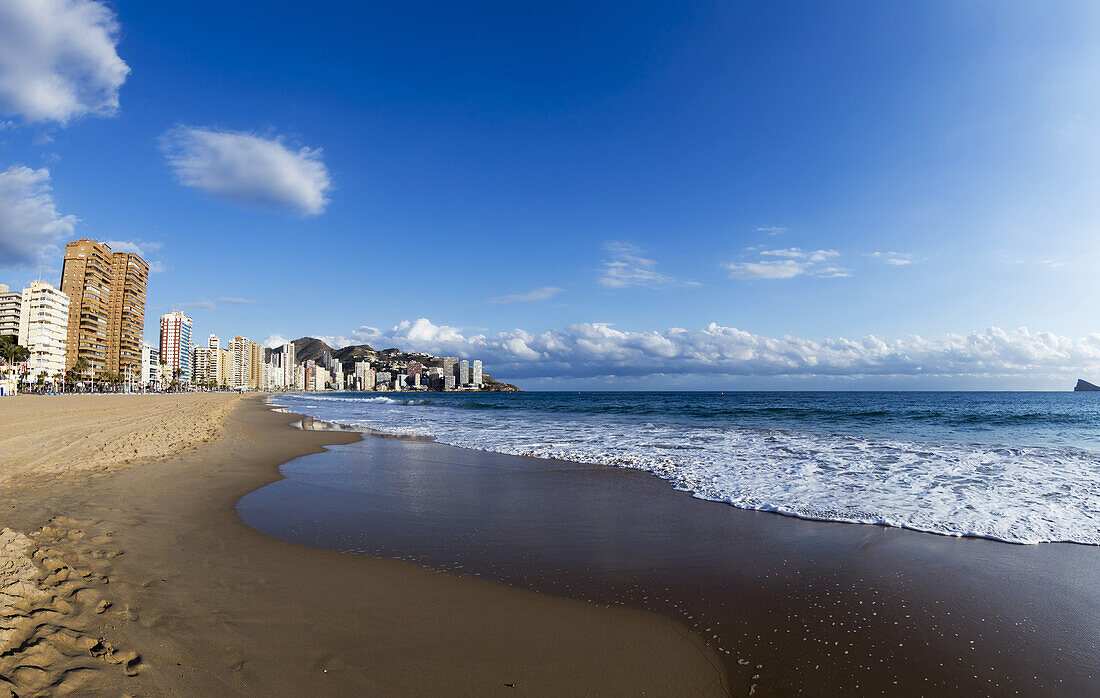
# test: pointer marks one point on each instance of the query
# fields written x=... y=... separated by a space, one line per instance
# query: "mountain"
x=495 y=386
x=311 y=349
x=1085 y=387
x=356 y=352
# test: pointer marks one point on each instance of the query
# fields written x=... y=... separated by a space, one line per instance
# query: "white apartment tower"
x=242 y=374
x=364 y=375
x=477 y=379
x=282 y=367
x=150 y=365
x=289 y=363
x=44 y=328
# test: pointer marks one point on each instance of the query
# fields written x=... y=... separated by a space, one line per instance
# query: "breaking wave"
x=1011 y=472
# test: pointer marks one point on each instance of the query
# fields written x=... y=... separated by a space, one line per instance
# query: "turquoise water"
x=1022 y=467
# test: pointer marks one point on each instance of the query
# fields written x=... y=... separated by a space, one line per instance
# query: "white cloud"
x=207 y=304
x=787 y=264
x=137 y=247
x=248 y=169
x=275 y=340
x=596 y=349
x=157 y=267
x=894 y=259
x=772 y=230
x=198 y=305
x=58 y=59
x=30 y=225
x=1047 y=263
x=627 y=266
x=539 y=294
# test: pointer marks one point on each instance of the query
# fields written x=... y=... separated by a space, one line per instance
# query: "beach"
x=255 y=552
x=790 y=606
x=127 y=570
x=53 y=437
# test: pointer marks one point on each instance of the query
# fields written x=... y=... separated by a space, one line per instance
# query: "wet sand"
x=139 y=578
x=790 y=605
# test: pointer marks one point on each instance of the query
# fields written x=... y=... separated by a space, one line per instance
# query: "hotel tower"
x=175 y=346
x=107 y=306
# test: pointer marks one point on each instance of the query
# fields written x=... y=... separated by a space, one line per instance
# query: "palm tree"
x=80 y=367
x=107 y=379
x=13 y=352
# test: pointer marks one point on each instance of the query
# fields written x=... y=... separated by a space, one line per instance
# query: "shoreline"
x=798 y=604
x=167 y=590
x=322 y=425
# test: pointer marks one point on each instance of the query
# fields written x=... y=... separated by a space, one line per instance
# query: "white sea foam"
x=1013 y=494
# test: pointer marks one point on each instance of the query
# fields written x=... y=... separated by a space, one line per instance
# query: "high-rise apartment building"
x=256 y=358
x=86 y=280
x=241 y=352
x=337 y=374
x=175 y=346
x=225 y=367
x=450 y=368
x=43 y=326
x=220 y=362
x=126 y=309
x=248 y=359
x=463 y=372
x=204 y=366
x=11 y=304
x=477 y=378
x=383 y=380
x=106 y=293
x=364 y=375
x=107 y=306
x=150 y=365
x=288 y=365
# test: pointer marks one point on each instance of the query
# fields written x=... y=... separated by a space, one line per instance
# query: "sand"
x=125 y=569
x=44 y=437
x=792 y=606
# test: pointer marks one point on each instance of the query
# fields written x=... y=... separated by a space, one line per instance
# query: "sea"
x=1019 y=467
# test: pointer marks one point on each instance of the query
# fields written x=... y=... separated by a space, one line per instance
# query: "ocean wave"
x=1007 y=492
x=361 y=398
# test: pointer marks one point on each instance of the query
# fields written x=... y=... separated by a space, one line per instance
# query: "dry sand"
x=43 y=437
x=126 y=572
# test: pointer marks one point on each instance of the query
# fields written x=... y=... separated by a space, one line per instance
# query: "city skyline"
x=872 y=197
x=57 y=339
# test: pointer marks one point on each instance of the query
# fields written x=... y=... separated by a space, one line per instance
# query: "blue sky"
x=806 y=173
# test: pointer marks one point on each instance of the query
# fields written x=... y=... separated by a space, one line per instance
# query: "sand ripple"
x=51 y=597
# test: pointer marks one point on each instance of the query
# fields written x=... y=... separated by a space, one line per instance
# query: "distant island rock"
x=1085 y=387
x=312 y=349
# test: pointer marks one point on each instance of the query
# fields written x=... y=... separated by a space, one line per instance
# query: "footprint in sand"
x=47 y=604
